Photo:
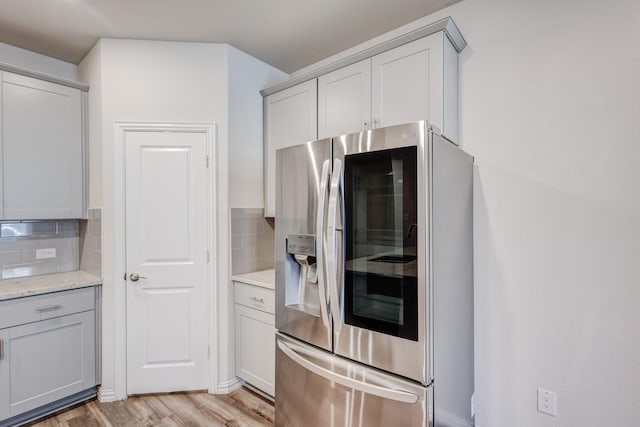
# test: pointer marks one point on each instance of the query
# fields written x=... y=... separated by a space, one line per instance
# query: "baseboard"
x=260 y=392
x=226 y=387
x=106 y=395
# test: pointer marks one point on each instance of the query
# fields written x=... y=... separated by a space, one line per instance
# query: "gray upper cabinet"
x=414 y=81
x=290 y=119
x=42 y=149
x=344 y=100
x=407 y=78
x=409 y=83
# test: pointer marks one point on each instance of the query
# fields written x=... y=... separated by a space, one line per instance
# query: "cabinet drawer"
x=47 y=306
x=255 y=297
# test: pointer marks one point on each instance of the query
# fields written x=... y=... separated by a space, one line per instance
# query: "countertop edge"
x=263 y=278
x=38 y=285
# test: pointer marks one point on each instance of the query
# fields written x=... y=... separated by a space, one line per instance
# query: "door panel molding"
x=121 y=130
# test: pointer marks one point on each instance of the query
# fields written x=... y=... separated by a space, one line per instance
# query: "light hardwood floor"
x=241 y=408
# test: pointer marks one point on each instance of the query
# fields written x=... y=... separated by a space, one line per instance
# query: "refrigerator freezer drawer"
x=317 y=388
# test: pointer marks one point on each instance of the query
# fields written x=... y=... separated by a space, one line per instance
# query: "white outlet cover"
x=547 y=402
x=45 y=253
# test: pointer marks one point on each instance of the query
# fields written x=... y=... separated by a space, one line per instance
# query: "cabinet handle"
x=1 y=349
x=49 y=307
x=365 y=125
x=376 y=123
x=256 y=299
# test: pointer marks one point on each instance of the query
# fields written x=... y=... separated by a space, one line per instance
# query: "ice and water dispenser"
x=301 y=278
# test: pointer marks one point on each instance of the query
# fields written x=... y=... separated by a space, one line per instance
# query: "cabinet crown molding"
x=447 y=25
x=43 y=76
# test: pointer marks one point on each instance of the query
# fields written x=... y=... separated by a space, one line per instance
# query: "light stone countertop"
x=262 y=278
x=36 y=285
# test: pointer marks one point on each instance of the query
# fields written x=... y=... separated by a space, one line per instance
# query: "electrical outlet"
x=547 y=402
x=45 y=253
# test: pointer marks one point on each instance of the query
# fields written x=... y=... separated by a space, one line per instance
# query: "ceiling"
x=288 y=34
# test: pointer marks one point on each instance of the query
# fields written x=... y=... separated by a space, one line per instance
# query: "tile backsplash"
x=252 y=240
x=30 y=248
x=90 y=241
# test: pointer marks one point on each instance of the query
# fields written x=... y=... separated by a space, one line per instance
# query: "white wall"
x=147 y=81
x=37 y=62
x=172 y=82
x=550 y=108
x=247 y=76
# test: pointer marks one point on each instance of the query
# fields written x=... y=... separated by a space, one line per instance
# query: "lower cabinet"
x=255 y=336
x=50 y=361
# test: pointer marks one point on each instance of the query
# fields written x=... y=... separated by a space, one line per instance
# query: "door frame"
x=120 y=300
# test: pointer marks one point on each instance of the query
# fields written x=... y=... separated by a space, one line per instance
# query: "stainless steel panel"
x=301 y=309
x=401 y=356
x=321 y=389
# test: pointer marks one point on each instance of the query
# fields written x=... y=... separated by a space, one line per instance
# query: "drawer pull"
x=49 y=307
x=256 y=299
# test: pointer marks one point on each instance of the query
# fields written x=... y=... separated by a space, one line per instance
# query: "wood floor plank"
x=241 y=408
x=85 y=420
x=186 y=416
x=94 y=409
x=169 y=421
x=149 y=411
x=256 y=404
x=119 y=414
x=235 y=410
x=204 y=414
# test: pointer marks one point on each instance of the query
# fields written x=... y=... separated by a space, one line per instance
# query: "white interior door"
x=166 y=257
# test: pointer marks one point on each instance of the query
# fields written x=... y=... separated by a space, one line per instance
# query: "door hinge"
x=124 y=276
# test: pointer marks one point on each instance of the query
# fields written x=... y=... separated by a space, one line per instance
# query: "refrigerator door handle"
x=321 y=243
x=383 y=392
x=332 y=268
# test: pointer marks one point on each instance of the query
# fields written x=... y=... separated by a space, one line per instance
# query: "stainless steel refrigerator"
x=374 y=281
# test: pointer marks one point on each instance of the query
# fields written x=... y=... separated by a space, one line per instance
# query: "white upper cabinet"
x=290 y=119
x=407 y=83
x=404 y=84
x=344 y=100
x=42 y=149
x=407 y=78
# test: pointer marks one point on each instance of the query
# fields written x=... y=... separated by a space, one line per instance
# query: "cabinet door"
x=4 y=375
x=291 y=119
x=49 y=360
x=344 y=100
x=407 y=83
x=255 y=348
x=42 y=149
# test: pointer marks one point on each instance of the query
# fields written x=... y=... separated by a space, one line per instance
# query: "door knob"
x=134 y=277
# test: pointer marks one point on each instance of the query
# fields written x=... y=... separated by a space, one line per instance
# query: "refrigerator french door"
x=321 y=389
x=361 y=221
x=348 y=246
x=376 y=238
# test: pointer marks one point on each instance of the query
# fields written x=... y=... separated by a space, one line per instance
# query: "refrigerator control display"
x=301 y=244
